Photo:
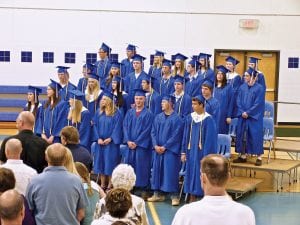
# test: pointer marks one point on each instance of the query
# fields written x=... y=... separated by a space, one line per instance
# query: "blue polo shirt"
x=55 y=196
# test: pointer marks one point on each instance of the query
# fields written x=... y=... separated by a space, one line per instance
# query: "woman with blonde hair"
x=107 y=134
x=80 y=117
x=155 y=68
x=69 y=162
x=179 y=65
x=93 y=94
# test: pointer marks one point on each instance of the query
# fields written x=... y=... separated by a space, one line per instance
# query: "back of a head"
x=69 y=162
x=70 y=134
x=56 y=154
x=123 y=176
x=27 y=118
x=118 y=202
x=82 y=171
x=7 y=179
x=11 y=205
x=216 y=168
x=13 y=148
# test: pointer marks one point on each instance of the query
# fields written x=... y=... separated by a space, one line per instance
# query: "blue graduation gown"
x=166 y=86
x=208 y=74
x=82 y=83
x=127 y=67
x=249 y=136
x=224 y=95
x=207 y=129
x=84 y=128
x=183 y=105
x=153 y=102
x=107 y=157
x=138 y=129
x=155 y=72
x=235 y=83
x=212 y=107
x=92 y=106
x=193 y=86
x=63 y=93
x=61 y=120
x=38 y=119
x=102 y=69
x=132 y=83
x=167 y=132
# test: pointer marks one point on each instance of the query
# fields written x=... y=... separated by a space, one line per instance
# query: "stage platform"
x=238 y=186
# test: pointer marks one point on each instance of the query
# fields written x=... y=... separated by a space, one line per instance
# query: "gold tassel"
x=189 y=145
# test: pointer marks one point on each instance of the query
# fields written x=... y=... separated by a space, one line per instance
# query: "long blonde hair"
x=75 y=113
x=181 y=71
x=69 y=162
x=85 y=176
x=109 y=109
x=93 y=92
x=159 y=64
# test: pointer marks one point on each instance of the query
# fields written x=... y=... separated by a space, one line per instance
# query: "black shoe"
x=258 y=162
x=239 y=160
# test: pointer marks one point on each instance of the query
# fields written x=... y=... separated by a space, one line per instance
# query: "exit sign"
x=249 y=23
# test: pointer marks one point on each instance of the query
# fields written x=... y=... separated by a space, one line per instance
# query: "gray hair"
x=123 y=176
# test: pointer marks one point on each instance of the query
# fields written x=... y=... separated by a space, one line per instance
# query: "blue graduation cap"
x=234 y=61
x=148 y=78
x=179 y=79
x=94 y=76
x=254 y=60
x=200 y=98
x=62 y=69
x=208 y=83
x=167 y=62
x=131 y=47
x=36 y=91
x=116 y=79
x=204 y=56
x=179 y=56
x=194 y=63
x=116 y=65
x=105 y=48
x=139 y=92
x=169 y=98
x=89 y=66
x=114 y=57
x=151 y=59
x=251 y=72
x=195 y=57
x=159 y=53
x=222 y=69
x=76 y=95
x=55 y=86
x=108 y=94
x=138 y=57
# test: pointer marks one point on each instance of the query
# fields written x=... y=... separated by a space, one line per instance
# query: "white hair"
x=123 y=176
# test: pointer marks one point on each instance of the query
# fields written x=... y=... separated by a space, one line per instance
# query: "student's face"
x=205 y=91
x=178 y=64
x=129 y=53
x=178 y=86
x=50 y=92
x=92 y=83
x=102 y=54
x=63 y=78
x=71 y=102
x=220 y=76
x=165 y=105
x=85 y=72
x=229 y=66
x=251 y=65
x=196 y=106
x=247 y=77
x=202 y=61
x=114 y=71
x=137 y=65
x=156 y=59
x=104 y=101
x=189 y=68
x=30 y=97
x=145 y=85
x=166 y=69
x=114 y=85
x=139 y=101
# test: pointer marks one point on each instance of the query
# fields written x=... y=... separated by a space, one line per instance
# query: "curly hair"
x=118 y=202
x=123 y=176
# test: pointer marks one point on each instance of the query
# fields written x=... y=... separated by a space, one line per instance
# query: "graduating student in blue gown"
x=156 y=66
x=179 y=65
x=260 y=78
x=250 y=105
x=183 y=102
x=153 y=99
x=212 y=105
x=63 y=77
x=164 y=85
x=93 y=94
x=134 y=79
x=120 y=97
x=115 y=71
x=137 y=135
x=199 y=140
x=166 y=137
x=127 y=67
x=108 y=137
x=51 y=113
x=194 y=81
x=80 y=117
x=33 y=105
x=83 y=81
x=223 y=92
x=103 y=65
x=205 y=72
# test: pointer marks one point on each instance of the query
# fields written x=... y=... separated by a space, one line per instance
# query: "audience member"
x=22 y=172
x=34 y=147
x=216 y=207
x=57 y=185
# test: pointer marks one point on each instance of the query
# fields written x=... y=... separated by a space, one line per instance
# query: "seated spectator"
x=123 y=176
x=118 y=202
x=216 y=207
x=69 y=162
x=70 y=138
x=12 y=209
x=22 y=172
x=8 y=182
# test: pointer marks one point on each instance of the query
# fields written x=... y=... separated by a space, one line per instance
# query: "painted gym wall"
x=187 y=26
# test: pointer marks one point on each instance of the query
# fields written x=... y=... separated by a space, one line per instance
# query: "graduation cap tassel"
x=189 y=145
x=200 y=137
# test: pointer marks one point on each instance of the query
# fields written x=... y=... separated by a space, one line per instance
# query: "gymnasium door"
x=268 y=65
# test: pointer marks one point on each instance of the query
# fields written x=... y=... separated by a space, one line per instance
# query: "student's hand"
x=107 y=141
x=131 y=145
x=183 y=157
x=100 y=141
x=44 y=137
x=245 y=115
x=50 y=139
x=228 y=120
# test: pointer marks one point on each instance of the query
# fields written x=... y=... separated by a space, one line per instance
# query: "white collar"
x=198 y=118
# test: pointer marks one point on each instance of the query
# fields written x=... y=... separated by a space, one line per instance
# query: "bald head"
x=56 y=154
x=13 y=148
x=25 y=121
x=11 y=206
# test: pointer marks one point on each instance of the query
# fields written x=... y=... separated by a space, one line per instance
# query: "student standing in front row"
x=199 y=140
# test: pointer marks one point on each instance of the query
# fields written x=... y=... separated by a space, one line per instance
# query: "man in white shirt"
x=216 y=207
x=22 y=172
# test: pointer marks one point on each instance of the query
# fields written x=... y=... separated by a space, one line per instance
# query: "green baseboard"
x=287 y=132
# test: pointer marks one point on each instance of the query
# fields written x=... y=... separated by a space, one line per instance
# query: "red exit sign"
x=249 y=23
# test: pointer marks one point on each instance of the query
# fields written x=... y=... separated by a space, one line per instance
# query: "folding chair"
x=268 y=127
x=182 y=176
x=269 y=110
x=232 y=129
x=224 y=145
